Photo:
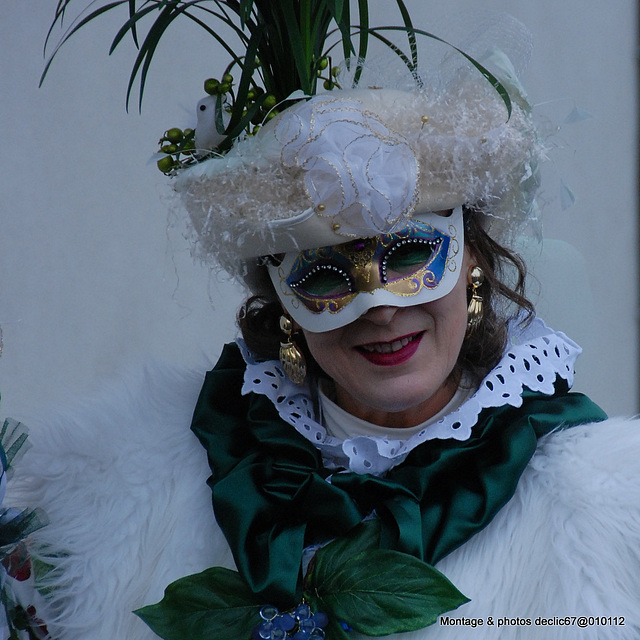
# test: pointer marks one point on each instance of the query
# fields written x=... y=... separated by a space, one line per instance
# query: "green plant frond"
x=164 y=3
x=320 y=29
x=241 y=125
x=142 y=62
x=73 y=29
x=134 y=30
x=62 y=5
x=305 y=29
x=168 y=14
x=242 y=36
x=336 y=7
x=130 y=25
x=246 y=78
x=411 y=33
x=300 y=56
x=244 y=10
x=222 y=7
x=219 y=121
x=58 y=18
x=288 y=36
x=495 y=83
x=280 y=53
x=364 y=38
x=395 y=48
x=341 y=13
x=169 y=11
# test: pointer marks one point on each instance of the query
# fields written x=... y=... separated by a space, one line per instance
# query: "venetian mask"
x=329 y=287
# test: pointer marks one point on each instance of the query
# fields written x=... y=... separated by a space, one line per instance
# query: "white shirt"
x=341 y=424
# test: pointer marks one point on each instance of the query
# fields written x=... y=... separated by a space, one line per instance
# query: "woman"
x=394 y=405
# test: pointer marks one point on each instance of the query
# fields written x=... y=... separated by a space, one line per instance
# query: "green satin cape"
x=271 y=496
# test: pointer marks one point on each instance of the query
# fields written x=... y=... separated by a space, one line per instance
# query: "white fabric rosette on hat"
x=357 y=171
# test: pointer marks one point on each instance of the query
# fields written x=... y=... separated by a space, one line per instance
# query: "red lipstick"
x=395 y=352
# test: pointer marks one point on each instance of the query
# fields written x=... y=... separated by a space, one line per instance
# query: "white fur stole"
x=123 y=481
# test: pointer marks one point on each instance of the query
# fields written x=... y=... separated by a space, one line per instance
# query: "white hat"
x=358 y=163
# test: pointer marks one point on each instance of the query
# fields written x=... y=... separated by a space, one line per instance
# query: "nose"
x=380 y=315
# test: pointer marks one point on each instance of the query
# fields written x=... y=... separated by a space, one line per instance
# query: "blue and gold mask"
x=329 y=287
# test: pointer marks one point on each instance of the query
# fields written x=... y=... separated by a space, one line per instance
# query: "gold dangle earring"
x=474 y=310
x=291 y=358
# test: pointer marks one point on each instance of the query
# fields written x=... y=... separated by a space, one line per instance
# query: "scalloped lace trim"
x=534 y=357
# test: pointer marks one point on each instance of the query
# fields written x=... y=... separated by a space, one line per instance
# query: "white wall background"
x=95 y=276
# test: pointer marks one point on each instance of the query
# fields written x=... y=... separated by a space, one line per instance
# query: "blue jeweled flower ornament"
x=299 y=624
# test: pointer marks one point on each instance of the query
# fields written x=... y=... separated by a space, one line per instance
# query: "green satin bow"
x=271 y=495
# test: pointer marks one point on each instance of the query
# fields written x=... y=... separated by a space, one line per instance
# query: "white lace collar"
x=534 y=357
x=342 y=424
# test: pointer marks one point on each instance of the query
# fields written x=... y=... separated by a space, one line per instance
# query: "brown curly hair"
x=503 y=295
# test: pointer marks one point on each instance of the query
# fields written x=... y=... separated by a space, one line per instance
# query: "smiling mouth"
x=391 y=353
x=390 y=347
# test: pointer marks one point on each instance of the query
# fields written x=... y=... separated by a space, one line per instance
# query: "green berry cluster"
x=215 y=87
x=265 y=111
x=178 y=145
x=331 y=79
x=258 y=107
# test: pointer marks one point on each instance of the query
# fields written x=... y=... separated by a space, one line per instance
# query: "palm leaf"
x=58 y=18
x=130 y=25
x=167 y=15
x=73 y=29
x=248 y=68
x=495 y=83
x=341 y=13
x=300 y=56
x=246 y=6
x=288 y=36
x=364 y=37
x=172 y=10
x=396 y=49
x=411 y=33
x=221 y=39
x=132 y=12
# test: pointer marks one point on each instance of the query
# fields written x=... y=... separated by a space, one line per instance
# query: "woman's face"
x=391 y=366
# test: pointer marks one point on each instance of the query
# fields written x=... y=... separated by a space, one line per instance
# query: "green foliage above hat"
x=445 y=135
x=283 y=46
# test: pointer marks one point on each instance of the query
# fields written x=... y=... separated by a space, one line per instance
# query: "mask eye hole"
x=407 y=256
x=324 y=281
